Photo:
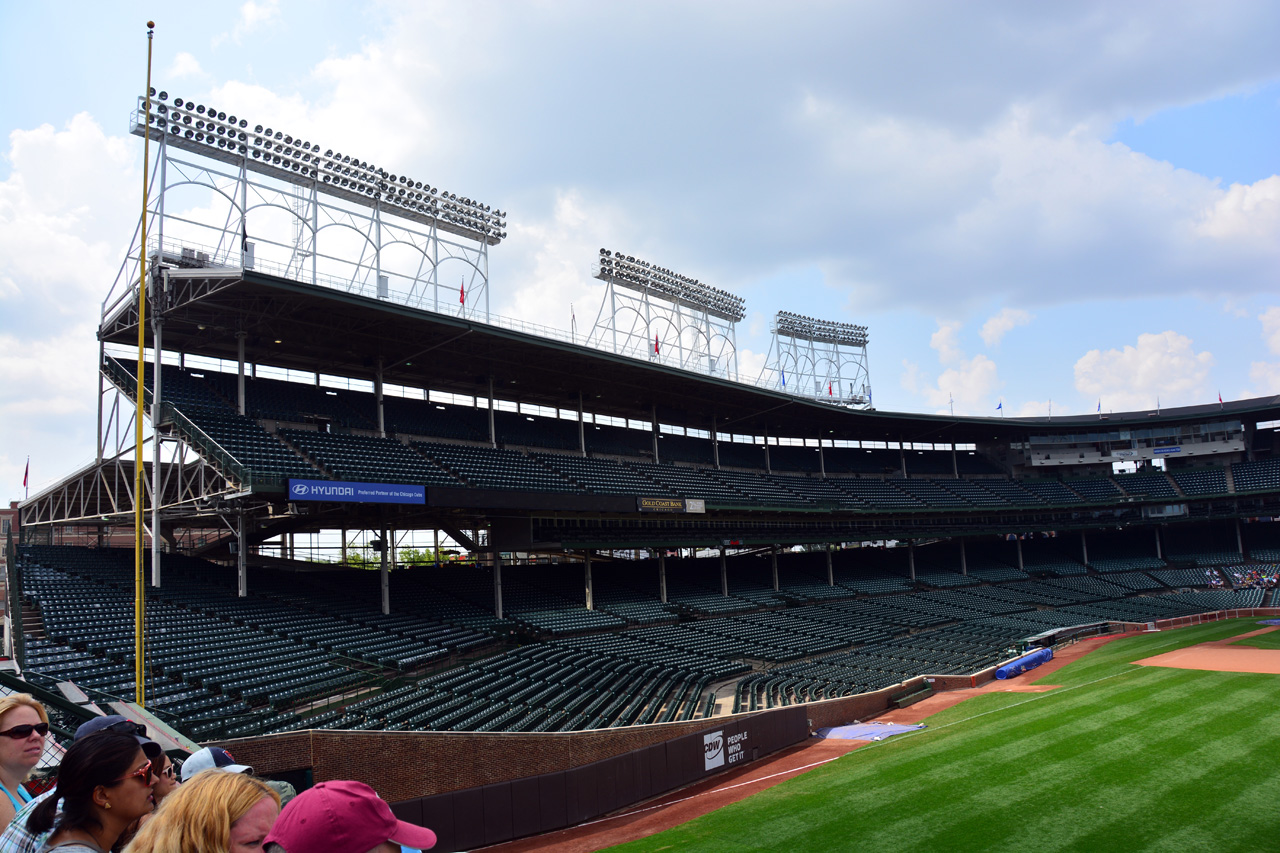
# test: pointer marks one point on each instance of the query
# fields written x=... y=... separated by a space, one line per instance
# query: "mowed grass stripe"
x=1144 y=758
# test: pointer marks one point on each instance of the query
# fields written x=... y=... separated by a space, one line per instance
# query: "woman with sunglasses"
x=215 y=811
x=23 y=725
x=104 y=785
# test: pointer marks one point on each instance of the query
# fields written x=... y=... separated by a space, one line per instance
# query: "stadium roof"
x=310 y=328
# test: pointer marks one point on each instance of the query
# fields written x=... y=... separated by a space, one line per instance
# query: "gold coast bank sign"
x=697 y=505
x=716 y=752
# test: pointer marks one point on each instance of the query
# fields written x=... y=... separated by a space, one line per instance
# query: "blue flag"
x=1000 y=406
x=784 y=378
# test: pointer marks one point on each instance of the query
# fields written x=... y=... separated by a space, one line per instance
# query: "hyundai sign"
x=365 y=493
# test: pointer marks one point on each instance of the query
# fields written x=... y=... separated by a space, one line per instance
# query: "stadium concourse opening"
x=667 y=570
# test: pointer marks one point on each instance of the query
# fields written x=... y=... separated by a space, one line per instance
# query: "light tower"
x=651 y=312
x=819 y=359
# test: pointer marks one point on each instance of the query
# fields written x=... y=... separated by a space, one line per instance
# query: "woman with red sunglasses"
x=23 y=725
x=104 y=785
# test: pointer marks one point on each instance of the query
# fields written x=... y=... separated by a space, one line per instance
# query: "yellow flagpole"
x=139 y=597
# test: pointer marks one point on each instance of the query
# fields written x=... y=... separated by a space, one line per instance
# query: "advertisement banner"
x=369 y=493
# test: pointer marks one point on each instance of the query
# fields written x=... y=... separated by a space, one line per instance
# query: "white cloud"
x=1001 y=324
x=185 y=66
x=1271 y=328
x=1247 y=215
x=1265 y=375
x=946 y=342
x=66 y=211
x=968 y=385
x=1163 y=368
x=253 y=17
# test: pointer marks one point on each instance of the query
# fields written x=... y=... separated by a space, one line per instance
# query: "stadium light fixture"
x=642 y=276
x=213 y=133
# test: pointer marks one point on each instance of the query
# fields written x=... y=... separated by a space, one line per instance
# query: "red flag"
x=462 y=293
x=1219 y=398
x=26 y=472
x=655 y=345
x=829 y=394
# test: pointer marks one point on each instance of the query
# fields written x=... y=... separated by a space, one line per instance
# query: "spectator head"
x=23 y=725
x=107 y=775
x=212 y=758
x=118 y=724
x=213 y=813
x=344 y=817
x=167 y=779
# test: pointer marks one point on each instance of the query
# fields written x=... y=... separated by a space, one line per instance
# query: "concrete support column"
x=902 y=458
x=493 y=432
x=715 y=442
x=344 y=546
x=1159 y=550
x=586 y=579
x=964 y=560
x=911 y=559
x=662 y=577
x=822 y=461
x=1239 y=539
x=955 y=466
x=724 y=573
x=242 y=557
x=1084 y=548
x=773 y=561
x=497 y=583
x=582 y=427
x=377 y=395
x=654 y=422
x=384 y=573
x=831 y=575
x=1018 y=542
x=240 y=336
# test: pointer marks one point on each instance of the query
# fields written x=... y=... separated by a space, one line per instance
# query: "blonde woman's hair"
x=26 y=700
x=197 y=817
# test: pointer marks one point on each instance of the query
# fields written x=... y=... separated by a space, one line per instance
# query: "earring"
x=106 y=805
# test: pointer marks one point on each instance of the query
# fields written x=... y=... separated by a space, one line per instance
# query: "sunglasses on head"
x=128 y=727
x=24 y=731
x=144 y=771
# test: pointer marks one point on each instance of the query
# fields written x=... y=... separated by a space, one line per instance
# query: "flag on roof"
x=1000 y=406
x=462 y=293
x=784 y=378
x=655 y=345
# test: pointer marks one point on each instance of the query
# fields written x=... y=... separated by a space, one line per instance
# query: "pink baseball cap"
x=343 y=817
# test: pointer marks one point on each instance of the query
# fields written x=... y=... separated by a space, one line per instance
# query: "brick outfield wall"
x=1197 y=619
x=409 y=765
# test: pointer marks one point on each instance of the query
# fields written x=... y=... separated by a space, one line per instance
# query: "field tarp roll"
x=1024 y=663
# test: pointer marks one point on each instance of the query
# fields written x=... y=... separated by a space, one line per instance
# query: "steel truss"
x=819 y=360
x=644 y=315
x=103 y=491
x=211 y=214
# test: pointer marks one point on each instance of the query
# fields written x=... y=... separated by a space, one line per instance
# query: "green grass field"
x=1120 y=758
x=1262 y=641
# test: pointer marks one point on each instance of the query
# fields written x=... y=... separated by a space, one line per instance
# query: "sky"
x=1048 y=207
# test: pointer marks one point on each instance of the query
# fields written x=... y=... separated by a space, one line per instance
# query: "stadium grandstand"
x=649 y=542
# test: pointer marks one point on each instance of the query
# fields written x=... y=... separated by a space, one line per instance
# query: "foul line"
x=1036 y=697
x=663 y=805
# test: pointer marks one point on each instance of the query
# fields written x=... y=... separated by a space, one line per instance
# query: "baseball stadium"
x=562 y=591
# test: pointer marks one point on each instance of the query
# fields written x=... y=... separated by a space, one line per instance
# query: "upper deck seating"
x=487 y=468
x=514 y=428
x=1153 y=485
x=792 y=458
x=367 y=458
x=1201 y=481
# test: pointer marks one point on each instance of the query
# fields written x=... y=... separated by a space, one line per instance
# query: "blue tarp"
x=866 y=731
x=1024 y=663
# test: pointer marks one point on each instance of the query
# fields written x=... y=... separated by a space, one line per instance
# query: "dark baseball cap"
x=117 y=723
